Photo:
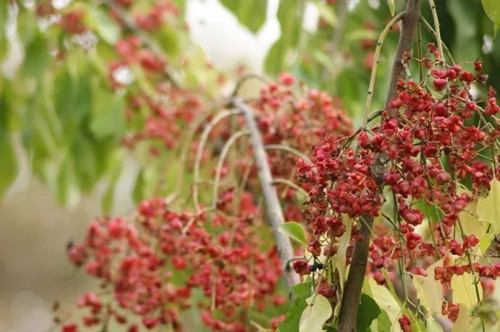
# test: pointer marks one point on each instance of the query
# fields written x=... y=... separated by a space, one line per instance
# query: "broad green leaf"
x=289 y=13
x=107 y=29
x=168 y=39
x=295 y=231
x=317 y=312
x=114 y=176
x=300 y=293
x=464 y=291
x=8 y=160
x=107 y=117
x=385 y=300
x=488 y=208
x=368 y=311
x=86 y=162
x=37 y=56
x=146 y=184
x=492 y=9
x=250 y=13
x=302 y=290
x=429 y=290
x=384 y=322
x=72 y=101
x=67 y=183
x=392 y=7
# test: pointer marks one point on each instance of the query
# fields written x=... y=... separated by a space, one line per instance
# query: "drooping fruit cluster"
x=435 y=142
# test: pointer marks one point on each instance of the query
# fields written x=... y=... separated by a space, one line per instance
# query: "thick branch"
x=405 y=45
x=354 y=284
x=273 y=207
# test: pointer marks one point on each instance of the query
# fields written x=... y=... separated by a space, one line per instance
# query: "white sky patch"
x=225 y=41
x=487 y=44
x=374 y=3
x=59 y=4
x=123 y=75
x=474 y=92
x=311 y=16
x=352 y=4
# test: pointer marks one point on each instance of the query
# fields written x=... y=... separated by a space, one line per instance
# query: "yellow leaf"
x=392 y=6
x=315 y=314
x=464 y=291
x=465 y=320
x=488 y=208
x=429 y=291
x=470 y=221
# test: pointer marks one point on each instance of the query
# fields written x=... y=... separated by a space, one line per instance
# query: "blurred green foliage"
x=71 y=121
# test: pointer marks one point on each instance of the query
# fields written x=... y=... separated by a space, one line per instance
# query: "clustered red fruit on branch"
x=433 y=146
x=151 y=268
x=224 y=253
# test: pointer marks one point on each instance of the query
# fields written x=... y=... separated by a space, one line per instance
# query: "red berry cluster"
x=137 y=263
x=434 y=140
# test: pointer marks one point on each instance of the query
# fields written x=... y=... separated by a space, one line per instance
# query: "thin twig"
x=220 y=163
x=290 y=184
x=273 y=207
x=199 y=152
x=288 y=149
x=376 y=61
x=438 y=32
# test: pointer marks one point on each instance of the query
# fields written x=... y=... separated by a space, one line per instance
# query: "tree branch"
x=273 y=207
x=354 y=284
x=405 y=44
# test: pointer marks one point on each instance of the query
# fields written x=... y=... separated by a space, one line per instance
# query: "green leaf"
x=37 y=56
x=295 y=231
x=289 y=13
x=67 y=183
x=107 y=116
x=488 y=208
x=114 y=176
x=466 y=45
x=302 y=290
x=368 y=311
x=392 y=6
x=492 y=9
x=315 y=314
x=250 y=13
x=8 y=160
x=168 y=39
x=107 y=29
x=327 y=13
x=85 y=160
x=384 y=321
x=300 y=293
x=4 y=43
